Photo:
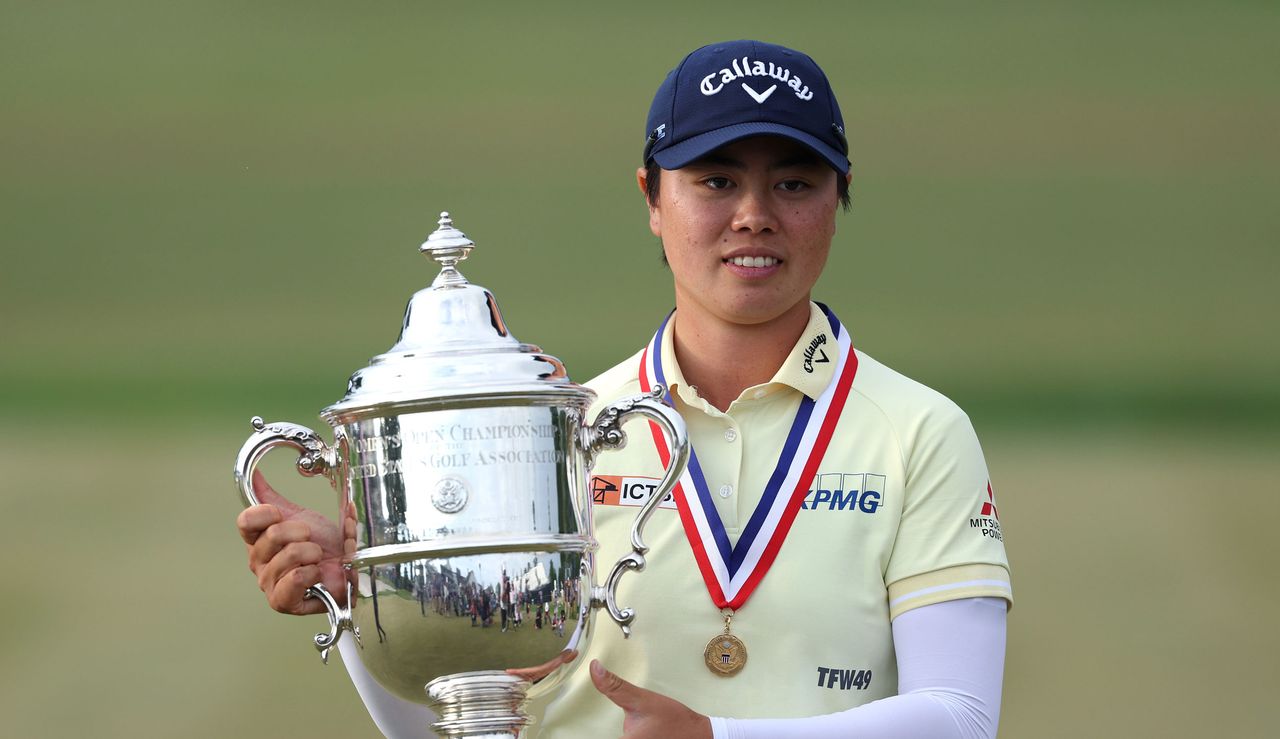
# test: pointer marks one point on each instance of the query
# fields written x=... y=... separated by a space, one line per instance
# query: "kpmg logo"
x=748 y=68
x=843 y=491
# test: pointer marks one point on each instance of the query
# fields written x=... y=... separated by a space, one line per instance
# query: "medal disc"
x=725 y=655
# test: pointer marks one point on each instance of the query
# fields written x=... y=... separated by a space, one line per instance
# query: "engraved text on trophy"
x=479 y=472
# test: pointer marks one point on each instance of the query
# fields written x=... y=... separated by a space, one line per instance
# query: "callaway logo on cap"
x=725 y=92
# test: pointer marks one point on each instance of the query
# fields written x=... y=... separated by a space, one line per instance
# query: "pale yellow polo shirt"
x=899 y=516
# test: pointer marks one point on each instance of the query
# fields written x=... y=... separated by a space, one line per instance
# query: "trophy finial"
x=448 y=246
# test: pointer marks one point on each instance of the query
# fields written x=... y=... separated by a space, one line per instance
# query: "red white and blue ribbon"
x=732 y=572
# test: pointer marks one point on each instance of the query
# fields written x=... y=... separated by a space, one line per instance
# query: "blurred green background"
x=1065 y=217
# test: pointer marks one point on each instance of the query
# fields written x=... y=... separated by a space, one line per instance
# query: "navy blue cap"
x=729 y=91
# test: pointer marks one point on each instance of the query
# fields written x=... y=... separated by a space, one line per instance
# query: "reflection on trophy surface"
x=461 y=460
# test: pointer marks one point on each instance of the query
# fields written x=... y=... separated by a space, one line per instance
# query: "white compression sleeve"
x=395 y=717
x=950 y=671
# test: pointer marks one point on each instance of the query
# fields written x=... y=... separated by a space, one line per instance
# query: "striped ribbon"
x=732 y=573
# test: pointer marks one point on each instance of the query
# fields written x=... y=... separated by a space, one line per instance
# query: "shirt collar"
x=671 y=368
x=811 y=365
x=808 y=368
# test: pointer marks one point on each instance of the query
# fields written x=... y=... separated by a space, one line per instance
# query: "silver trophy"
x=461 y=459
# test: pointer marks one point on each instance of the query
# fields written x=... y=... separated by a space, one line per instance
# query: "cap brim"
x=690 y=150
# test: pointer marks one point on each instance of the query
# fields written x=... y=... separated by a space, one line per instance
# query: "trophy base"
x=479 y=705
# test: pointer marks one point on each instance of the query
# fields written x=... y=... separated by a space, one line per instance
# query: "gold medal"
x=725 y=654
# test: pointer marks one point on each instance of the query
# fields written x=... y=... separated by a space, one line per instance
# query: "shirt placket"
x=717 y=440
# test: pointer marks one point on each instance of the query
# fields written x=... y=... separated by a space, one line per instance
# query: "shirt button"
x=730 y=434
x=726 y=491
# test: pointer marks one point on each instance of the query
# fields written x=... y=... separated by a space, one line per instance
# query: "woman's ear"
x=655 y=217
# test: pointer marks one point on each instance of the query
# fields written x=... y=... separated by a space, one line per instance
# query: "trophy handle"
x=339 y=620
x=607 y=434
x=314 y=458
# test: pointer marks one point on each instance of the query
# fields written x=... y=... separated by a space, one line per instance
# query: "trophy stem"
x=479 y=705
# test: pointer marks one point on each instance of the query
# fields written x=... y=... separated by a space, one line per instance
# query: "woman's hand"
x=292 y=548
x=649 y=715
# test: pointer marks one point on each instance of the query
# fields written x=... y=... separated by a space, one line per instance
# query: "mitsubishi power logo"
x=989 y=508
x=988 y=522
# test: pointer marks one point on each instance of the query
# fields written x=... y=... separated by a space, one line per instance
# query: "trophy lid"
x=453 y=346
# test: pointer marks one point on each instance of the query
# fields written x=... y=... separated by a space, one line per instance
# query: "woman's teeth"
x=754 y=261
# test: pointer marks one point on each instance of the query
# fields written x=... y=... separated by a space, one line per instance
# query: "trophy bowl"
x=461 y=459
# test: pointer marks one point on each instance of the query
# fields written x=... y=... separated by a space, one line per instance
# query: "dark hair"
x=653 y=174
x=652 y=186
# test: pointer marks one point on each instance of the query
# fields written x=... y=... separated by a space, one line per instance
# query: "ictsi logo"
x=846 y=491
x=626 y=491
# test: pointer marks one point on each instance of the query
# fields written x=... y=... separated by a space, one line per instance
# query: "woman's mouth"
x=752 y=261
